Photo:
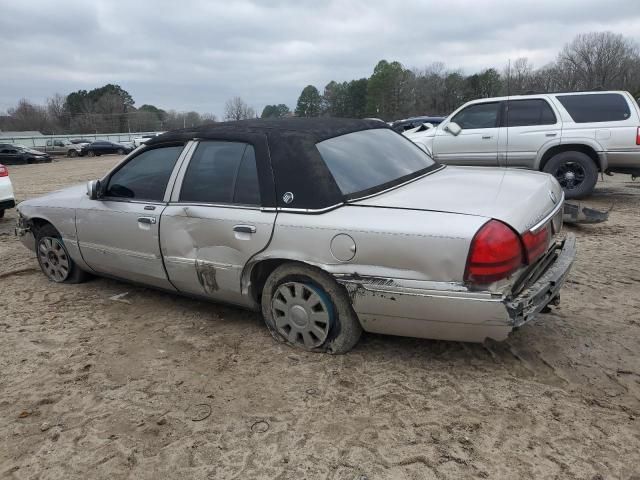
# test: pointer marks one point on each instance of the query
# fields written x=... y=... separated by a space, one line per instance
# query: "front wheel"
x=306 y=308
x=54 y=259
x=120 y=151
x=73 y=153
x=91 y=153
x=575 y=171
x=1 y=213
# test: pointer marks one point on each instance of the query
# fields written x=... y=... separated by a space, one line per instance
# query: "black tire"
x=1 y=213
x=576 y=172
x=344 y=328
x=74 y=274
x=120 y=151
x=91 y=153
x=73 y=153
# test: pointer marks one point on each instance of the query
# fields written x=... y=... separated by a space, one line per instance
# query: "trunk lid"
x=519 y=198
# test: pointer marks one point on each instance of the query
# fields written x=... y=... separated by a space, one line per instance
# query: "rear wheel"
x=54 y=259
x=91 y=153
x=575 y=171
x=306 y=308
x=120 y=151
x=1 y=213
x=73 y=153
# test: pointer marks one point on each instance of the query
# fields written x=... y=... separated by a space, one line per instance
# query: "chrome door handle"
x=550 y=134
x=486 y=137
x=147 y=220
x=244 y=229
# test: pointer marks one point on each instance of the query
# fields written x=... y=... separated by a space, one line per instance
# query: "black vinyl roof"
x=295 y=161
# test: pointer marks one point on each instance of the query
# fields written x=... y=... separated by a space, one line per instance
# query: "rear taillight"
x=536 y=244
x=4 y=171
x=496 y=252
x=638 y=137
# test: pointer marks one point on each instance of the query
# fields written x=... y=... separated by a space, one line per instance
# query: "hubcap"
x=53 y=259
x=302 y=314
x=570 y=175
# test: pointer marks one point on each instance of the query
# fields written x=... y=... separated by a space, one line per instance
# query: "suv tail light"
x=536 y=244
x=4 y=171
x=496 y=252
x=638 y=137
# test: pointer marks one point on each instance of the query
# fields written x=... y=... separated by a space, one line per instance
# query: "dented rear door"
x=216 y=220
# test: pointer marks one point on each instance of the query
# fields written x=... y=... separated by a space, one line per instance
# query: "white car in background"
x=141 y=140
x=7 y=200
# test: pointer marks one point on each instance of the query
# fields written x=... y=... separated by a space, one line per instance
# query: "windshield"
x=368 y=159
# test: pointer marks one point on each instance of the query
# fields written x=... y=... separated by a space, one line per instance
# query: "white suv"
x=569 y=135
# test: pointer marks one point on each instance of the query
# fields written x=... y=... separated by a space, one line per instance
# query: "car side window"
x=521 y=113
x=599 y=107
x=221 y=172
x=479 y=115
x=145 y=176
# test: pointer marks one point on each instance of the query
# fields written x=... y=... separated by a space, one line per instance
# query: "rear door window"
x=479 y=115
x=221 y=172
x=521 y=113
x=599 y=107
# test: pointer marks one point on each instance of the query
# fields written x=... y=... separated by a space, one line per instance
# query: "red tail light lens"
x=496 y=252
x=638 y=137
x=536 y=244
x=4 y=171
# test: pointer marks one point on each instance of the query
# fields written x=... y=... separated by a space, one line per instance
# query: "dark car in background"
x=413 y=122
x=21 y=155
x=102 y=147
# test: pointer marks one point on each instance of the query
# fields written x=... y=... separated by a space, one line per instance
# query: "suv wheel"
x=575 y=171
x=306 y=308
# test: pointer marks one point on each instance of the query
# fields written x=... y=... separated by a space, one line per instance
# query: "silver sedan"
x=328 y=227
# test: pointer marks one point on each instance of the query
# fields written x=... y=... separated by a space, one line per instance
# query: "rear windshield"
x=600 y=107
x=372 y=159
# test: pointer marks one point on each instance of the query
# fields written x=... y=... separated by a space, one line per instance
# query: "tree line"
x=597 y=60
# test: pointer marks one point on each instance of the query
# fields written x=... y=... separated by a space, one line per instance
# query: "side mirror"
x=453 y=128
x=92 y=189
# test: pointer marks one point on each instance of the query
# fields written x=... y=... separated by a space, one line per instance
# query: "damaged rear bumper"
x=533 y=299
x=449 y=311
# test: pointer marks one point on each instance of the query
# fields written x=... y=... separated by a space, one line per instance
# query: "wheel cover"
x=570 y=175
x=53 y=259
x=302 y=314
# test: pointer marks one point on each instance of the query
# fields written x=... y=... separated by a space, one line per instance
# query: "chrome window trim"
x=538 y=226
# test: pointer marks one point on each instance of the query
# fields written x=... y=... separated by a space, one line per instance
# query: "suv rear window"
x=600 y=107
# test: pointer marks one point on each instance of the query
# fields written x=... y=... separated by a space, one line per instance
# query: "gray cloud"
x=195 y=54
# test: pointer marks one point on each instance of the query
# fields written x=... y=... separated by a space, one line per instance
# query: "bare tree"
x=237 y=109
x=597 y=59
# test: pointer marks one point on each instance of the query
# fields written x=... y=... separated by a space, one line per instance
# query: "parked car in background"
x=81 y=141
x=572 y=136
x=19 y=155
x=327 y=226
x=102 y=147
x=141 y=140
x=7 y=200
x=414 y=122
x=62 y=147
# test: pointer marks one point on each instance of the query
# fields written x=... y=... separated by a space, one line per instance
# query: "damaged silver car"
x=327 y=226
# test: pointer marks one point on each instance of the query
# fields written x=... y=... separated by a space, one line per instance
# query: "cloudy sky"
x=195 y=54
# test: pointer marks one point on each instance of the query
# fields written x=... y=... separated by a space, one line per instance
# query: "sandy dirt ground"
x=159 y=386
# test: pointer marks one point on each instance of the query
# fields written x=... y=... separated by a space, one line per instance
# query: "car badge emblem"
x=554 y=199
x=287 y=198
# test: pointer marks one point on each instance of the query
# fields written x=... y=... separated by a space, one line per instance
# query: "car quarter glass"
x=362 y=160
x=602 y=107
x=145 y=176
